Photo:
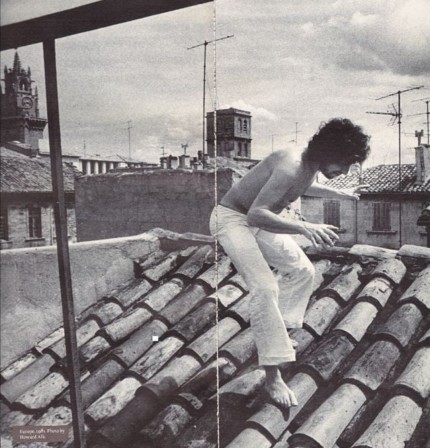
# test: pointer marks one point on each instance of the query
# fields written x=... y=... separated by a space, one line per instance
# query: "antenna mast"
x=397 y=114
x=129 y=126
x=205 y=44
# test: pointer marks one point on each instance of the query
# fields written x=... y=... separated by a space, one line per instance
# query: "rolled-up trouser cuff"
x=290 y=356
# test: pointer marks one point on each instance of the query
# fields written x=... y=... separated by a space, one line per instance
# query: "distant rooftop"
x=22 y=174
x=384 y=179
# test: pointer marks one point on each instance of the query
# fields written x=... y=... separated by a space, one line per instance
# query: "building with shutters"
x=387 y=213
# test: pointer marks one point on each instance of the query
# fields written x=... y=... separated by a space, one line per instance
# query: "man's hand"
x=353 y=193
x=320 y=234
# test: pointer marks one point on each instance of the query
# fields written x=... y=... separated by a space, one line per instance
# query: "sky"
x=291 y=64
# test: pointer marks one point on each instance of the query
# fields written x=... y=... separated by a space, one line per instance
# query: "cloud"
x=258 y=113
x=365 y=38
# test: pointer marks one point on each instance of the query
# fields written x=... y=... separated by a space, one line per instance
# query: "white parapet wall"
x=30 y=286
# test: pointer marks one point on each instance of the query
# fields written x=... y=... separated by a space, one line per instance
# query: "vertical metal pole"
x=62 y=242
x=400 y=170
x=428 y=133
x=204 y=97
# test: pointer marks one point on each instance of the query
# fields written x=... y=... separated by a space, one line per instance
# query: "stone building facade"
x=128 y=203
x=27 y=203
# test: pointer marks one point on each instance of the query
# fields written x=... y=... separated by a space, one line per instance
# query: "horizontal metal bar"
x=85 y=18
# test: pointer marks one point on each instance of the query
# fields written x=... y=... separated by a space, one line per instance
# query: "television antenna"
x=397 y=116
x=205 y=44
x=424 y=113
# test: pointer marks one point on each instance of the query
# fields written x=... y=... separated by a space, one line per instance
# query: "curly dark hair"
x=339 y=140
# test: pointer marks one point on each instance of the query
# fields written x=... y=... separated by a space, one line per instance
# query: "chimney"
x=173 y=162
x=184 y=161
x=422 y=157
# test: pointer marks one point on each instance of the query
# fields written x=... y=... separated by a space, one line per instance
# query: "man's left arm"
x=324 y=191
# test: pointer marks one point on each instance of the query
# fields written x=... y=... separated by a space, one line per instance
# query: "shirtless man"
x=248 y=225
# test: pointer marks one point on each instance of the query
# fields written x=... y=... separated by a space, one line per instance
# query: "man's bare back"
x=289 y=175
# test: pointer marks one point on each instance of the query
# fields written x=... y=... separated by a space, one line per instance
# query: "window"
x=34 y=222
x=239 y=125
x=3 y=224
x=381 y=216
x=245 y=125
x=332 y=213
x=240 y=149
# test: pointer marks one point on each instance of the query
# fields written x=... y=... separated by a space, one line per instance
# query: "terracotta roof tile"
x=327 y=423
x=195 y=263
x=238 y=281
x=130 y=292
x=155 y=358
x=167 y=264
x=138 y=392
x=419 y=290
x=416 y=374
x=189 y=298
x=166 y=427
x=83 y=334
x=227 y=294
x=99 y=381
x=191 y=325
x=94 y=348
x=127 y=323
x=251 y=438
x=320 y=314
x=393 y=269
x=393 y=426
x=137 y=344
x=51 y=339
x=205 y=346
x=321 y=268
x=43 y=393
x=272 y=419
x=378 y=290
x=105 y=313
x=217 y=273
x=344 y=285
x=157 y=299
x=357 y=321
x=329 y=354
x=18 y=366
x=13 y=388
x=373 y=366
x=241 y=348
x=112 y=401
x=402 y=324
x=241 y=309
x=174 y=375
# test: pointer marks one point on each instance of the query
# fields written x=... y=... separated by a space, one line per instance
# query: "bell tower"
x=20 y=118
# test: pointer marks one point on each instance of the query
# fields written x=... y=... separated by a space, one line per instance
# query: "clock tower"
x=20 y=109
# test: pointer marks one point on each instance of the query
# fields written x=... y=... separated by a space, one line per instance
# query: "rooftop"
x=383 y=179
x=149 y=370
x=22 y=174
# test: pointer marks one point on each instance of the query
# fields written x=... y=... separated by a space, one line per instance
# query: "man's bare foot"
x=278 y=391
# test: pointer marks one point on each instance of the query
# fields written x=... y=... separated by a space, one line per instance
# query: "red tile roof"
x=384 y=179
x=361 y=377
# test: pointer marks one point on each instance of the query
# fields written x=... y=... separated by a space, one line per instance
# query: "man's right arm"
x=272 y=197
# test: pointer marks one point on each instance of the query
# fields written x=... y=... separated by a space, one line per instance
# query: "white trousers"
x=252 y=252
